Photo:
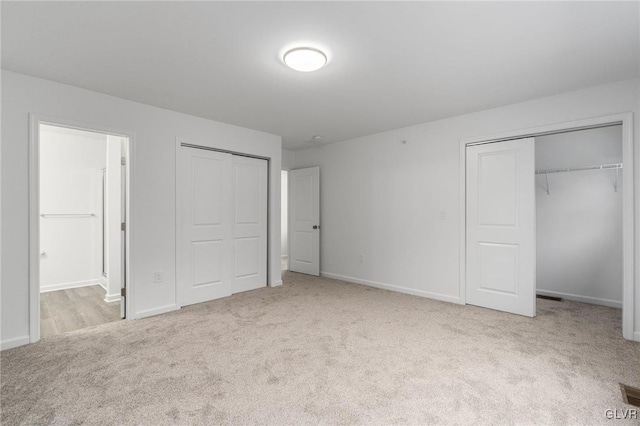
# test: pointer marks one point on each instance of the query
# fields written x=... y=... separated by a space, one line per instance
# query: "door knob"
x=316 y=227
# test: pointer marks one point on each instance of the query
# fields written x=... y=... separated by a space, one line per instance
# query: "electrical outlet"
x=361 y=258
x=157 y=277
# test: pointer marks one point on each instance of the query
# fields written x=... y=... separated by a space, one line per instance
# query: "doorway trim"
x=35 y=120
x=628 y=200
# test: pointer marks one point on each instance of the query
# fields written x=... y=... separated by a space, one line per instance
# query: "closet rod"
x=614 y=166
x=68 y=215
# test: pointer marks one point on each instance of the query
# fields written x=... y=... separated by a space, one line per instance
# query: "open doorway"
x=579 y=185
x=81 y=212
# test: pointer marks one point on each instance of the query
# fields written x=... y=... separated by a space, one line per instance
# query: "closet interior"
x=579 y=216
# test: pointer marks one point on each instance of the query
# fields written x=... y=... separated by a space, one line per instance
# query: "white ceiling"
x=391 y=64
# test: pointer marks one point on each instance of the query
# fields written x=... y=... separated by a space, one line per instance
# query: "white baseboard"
x=384 y=286
x=66 y=286
x=156 y=311
x=276 y=284
x=112 y=297
x=14 y=343
x=636 y=336
x=584 y=299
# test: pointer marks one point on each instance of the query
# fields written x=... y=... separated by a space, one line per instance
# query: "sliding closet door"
x=205 y=210
x=249 y=223
x=501 y=226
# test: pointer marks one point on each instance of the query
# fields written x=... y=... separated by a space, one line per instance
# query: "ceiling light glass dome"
x=305 y=59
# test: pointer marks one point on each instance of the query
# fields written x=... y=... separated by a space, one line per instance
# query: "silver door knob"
x=316 y=227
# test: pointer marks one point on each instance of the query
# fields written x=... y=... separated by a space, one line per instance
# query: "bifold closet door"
x=205 y=209
x=249 y=187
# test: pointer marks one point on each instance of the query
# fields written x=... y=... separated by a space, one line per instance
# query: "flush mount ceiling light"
x=305 y=59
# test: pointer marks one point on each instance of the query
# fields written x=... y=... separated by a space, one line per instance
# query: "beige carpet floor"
x=320 y=351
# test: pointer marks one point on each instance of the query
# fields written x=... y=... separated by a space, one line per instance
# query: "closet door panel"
x=205 y=209
x=501 y=226
x=249 y=188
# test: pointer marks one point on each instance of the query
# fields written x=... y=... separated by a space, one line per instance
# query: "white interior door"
x=501 y=226
x=249 y=223
x=205 y=208
x=304 y=221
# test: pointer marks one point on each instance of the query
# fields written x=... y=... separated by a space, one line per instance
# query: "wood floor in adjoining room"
x=67 y=310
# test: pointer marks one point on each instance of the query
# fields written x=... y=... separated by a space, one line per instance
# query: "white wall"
x=288 y=163
x=288 y=159
x=398 y=204
x=71 y=164
x=579 y=223
x=153 y=193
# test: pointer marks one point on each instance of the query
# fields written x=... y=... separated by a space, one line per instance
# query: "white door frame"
x=35 y=120
x=628 y=199
x=178 y=225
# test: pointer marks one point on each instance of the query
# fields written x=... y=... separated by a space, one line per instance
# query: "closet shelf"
x=614 y=166
x=68 y=215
